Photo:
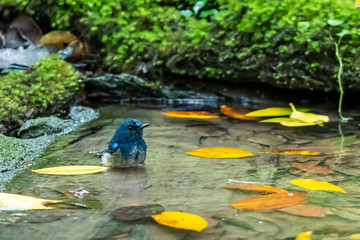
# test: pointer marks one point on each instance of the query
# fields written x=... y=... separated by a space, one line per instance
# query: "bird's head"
x=130 y=128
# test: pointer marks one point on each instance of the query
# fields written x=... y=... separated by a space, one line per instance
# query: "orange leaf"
x=256 y=188
x=181 y=220
x=199 y=114
x=271 y=201
x=219 y=152
x=236 y=113
x=305 y=210
x=311 y=167
x=294 y=152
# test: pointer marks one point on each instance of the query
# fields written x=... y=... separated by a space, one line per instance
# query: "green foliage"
x=51 y=81
x=285 y=43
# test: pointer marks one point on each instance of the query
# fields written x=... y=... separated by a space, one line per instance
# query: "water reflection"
x=180 y=182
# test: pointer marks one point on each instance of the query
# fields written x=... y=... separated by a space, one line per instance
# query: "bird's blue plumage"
x=127 y=147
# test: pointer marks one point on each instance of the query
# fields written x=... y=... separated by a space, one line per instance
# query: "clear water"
x=180 y=182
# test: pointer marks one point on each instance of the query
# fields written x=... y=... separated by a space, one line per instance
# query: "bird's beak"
x=144 y=125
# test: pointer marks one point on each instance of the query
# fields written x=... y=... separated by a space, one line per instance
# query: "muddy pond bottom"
x=180 y=182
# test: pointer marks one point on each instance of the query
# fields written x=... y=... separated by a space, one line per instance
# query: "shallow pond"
x=180 y=182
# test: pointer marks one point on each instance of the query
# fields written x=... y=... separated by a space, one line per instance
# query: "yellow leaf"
x=314 y=185
x=181 y=220
x=279 y=120
x=59 y=39
x=355 y=236
x=14 y=201
x=307 y=117
x=71 y=170
x=199 y=114
x=273 y=112
x=304 y=236
x=298 y=124
x=219 y=152
x=300 y=152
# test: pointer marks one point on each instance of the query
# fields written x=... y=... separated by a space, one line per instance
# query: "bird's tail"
x=99 y=152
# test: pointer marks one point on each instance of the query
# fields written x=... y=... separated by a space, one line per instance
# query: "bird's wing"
x=112 y=147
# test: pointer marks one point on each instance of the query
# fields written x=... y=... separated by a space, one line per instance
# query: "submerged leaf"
x=271 y=201
x=314 y=185
x=181 y=220
x=131 y=213
x=311 y=167
x=236 y=114
x=256 y=188
x=304 y=236
x=71 y=170
x=307 y=117
x=300 y=152
x=274 y=112
x=199 y=114
x=14 y=201
x=219 y=152
x=305 y=210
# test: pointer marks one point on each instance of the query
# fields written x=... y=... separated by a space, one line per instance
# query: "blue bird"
x=127 y=147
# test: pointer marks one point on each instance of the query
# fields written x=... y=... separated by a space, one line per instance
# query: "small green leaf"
x=343 y=33
x=186 y=13
x=335 y=22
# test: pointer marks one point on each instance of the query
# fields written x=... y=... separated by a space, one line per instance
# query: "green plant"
x=51 y=81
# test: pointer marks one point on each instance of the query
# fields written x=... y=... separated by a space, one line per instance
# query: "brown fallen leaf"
x=305 y=210
x=312 y=167
x=256 y=188
x=300 y=152
x=59 y=39
x=237 y=113
x=271 y=201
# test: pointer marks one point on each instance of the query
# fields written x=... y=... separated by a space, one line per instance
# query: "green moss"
x=51 y=81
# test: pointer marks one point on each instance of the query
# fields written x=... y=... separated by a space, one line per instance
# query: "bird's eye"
x=130 y=128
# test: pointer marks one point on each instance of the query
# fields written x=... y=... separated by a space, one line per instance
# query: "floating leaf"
x=236 y=114
x=131 y=213
x=279 y=120
x=59 y=39
x=304 y=236
x=181 y=220
x=274 y=112
x=312 y=167
x=71 y=170
x=314 y=185
x=307 y=117
x=354 y=236
x=219 y=152
x=299 y=124
x=300 y=152
x=14 y=201
x=271 y=201
x=305 y=210
x=256 y=188
x=199 y=114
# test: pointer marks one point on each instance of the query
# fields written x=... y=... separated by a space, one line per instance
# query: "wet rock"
x=34 y=128
x=112 y=87
x=80 y=114
x=22 y=32
x=22 y=59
